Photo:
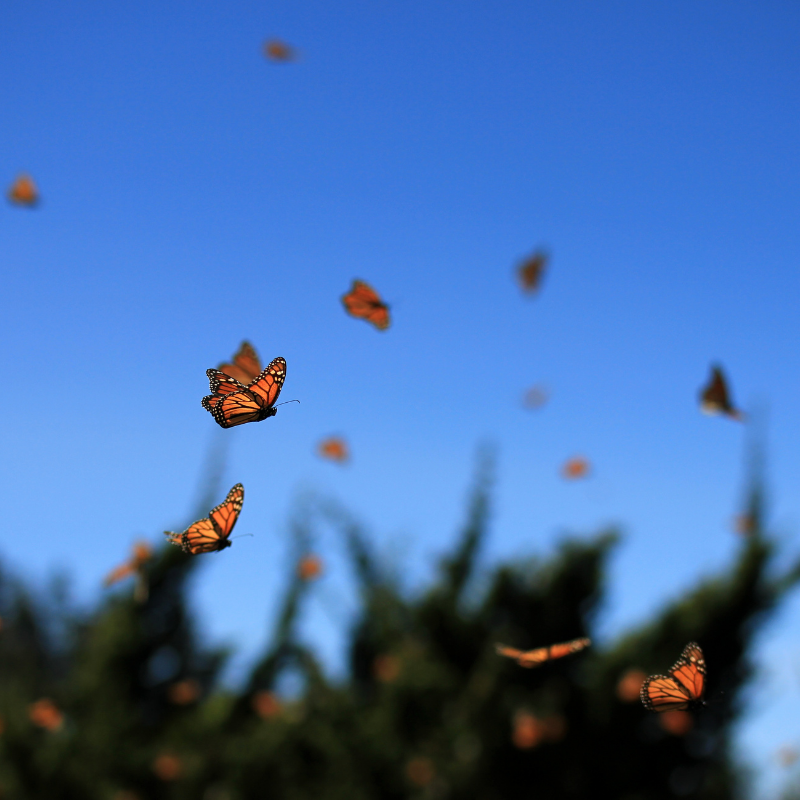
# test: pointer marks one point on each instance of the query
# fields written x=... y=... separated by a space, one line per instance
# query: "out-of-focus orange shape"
x=266 y=705
x=363 y=302
x=167 y=767
x=535 y=397
x=142 y=553
x=23 y=191
x=334 y=448
x=309 y=567
x=527 y=730
x=745 y=524
x=386 y=668
x=184 y=692
x=787 y=755
x=245 y=366
x=574 y=468
x=531 y=270
x=45 y=714
x=420 y=771
x=630 y=684
x=676 y=722
x=276 y=50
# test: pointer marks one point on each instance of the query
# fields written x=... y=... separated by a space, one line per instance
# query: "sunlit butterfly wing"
x=211 y=533
x=530 y=272
x=234 y=404
x=23 y=191
x=715 y=396
x=363 y=302
x=682 y=688
x=533 y=658
x=246 y=365
x=119 y=573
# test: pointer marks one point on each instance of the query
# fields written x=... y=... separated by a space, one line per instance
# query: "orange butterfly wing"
x=683 y=688
x=334 y=448
x=23 y=191
x=363 y=302
x=533 y=658
x=211 y=533
x=231 y=403
x=530 y=272
x=246 y=365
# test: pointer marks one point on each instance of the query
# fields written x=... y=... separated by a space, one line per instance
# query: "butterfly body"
x=233 y=403
x=210 y=534
x=682 y=688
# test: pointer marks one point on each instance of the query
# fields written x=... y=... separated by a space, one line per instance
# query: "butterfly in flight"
x=682 y=688
x=363 y=302
x=211 y=533
x=23 y=192
x=335 y=449
x=246 y=365
x=232 y=403
x=530 y=272
x=715 y=397
x=276 y=50
x=533 y=658
x=575 y=468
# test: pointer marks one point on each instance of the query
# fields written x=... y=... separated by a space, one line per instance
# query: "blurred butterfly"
x=276 y=50
x=211 y=533
x=232 y=403
x=363 y=302
x=533 y=658
x=574 y=468
x=682 y=688
x=142 y=553
x=246 y=365
x=334 y=448
x=23 y=191
x=715 y=397
x=530 y=272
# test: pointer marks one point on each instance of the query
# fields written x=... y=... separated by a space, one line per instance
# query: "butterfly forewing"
x=224 y=515
x=683 y=688
x=268 y=384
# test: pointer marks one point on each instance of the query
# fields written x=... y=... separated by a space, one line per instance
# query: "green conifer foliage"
x=429 y=710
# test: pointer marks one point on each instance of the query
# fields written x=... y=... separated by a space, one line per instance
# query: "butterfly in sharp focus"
x=232 y=403
x=363 y=302
x=246 y=365
x=531 y=271
x=211 y=533
x=715 y=397
x=682 y=688
x=533 y=658
x=23 y=191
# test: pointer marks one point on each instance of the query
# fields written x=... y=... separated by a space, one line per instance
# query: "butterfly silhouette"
x=246 y=365
x=363 y=302
x=530 y=272
x=533 y=658
x=232 y=403
x=211 y=533
x=682 y=688
x=715 y=397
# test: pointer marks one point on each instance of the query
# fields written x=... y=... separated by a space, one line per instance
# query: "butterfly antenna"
x=241 y=535
x=288 y=401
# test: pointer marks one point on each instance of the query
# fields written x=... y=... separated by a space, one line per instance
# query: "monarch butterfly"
x=715 y=397
x=232 y=403
x=334 y=448
x=211 y=533
x=682 y=688
x=23 y=191
x=363 y=302
x=573 y=468
x=246 y=366
x=142 y=552
x=276 y=50
x=530 y=272
x=533 y=658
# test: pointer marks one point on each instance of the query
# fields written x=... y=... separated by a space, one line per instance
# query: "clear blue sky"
x=195 y=194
